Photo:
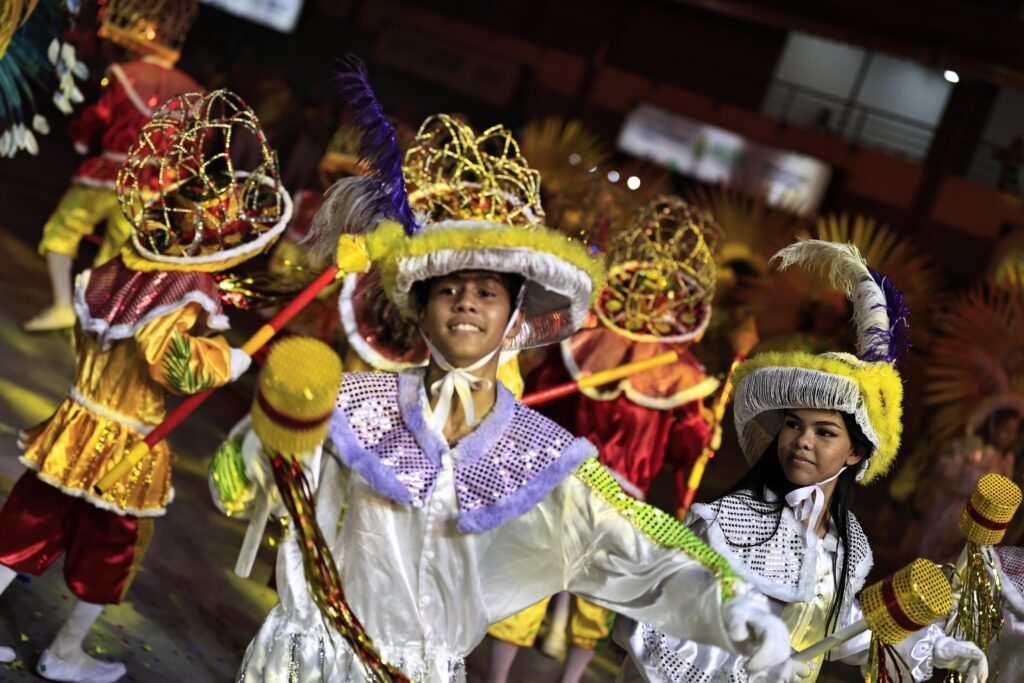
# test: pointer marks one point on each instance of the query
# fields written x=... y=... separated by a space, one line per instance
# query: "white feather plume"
x=351 y=205
x=846 y=270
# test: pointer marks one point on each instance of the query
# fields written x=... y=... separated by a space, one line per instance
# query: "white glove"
x=6 y=655
x=240 y=362
x=790 y=671
x=960 y=655
x=755 y=633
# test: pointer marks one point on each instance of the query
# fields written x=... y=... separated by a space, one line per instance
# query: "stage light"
x=951 y=76
x=613 y=176
x=632 y=182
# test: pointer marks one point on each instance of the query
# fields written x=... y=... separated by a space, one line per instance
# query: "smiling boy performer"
x=143 y=331
x=153 y=32
x=461 y=505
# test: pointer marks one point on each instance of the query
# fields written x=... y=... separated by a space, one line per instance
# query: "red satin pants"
x=39 y=522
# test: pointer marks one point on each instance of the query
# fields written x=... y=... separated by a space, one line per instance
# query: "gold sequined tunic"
x=116 y=399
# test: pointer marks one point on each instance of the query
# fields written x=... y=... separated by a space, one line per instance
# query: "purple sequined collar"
x=508 y=464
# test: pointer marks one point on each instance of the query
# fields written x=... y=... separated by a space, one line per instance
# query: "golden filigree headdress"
x=458 y=175
x=458 y=201
x=156 y=27
x=661 y=274
x=190 y=206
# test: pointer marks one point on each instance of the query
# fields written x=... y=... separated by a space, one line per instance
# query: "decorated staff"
x=744 y=340
x=290 y=416
x=984 y=520
x=894 y=609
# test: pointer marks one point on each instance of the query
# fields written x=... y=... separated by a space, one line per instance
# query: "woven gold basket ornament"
x=190 y=204
x=459 y=175
x=661 y=274
x=156 y=27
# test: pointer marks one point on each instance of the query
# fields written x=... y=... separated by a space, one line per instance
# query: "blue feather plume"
x=378 y=150
x=892 y=343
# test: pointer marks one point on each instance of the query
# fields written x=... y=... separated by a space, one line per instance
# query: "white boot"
x=65 y=660
x=60 y=315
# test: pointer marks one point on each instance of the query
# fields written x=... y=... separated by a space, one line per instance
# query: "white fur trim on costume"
x=355 y=339
x=766 y=393
x=107 y=334
x=93 y=500
x=552 y=285
x=108 y=414
x=254 y=247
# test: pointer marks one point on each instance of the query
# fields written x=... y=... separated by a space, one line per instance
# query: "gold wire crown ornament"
x=190 y=206
x=456 y=175
x=661 y=274
x=156 y=27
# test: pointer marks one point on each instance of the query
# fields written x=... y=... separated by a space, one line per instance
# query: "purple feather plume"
x=378 y=150
x=890 y=344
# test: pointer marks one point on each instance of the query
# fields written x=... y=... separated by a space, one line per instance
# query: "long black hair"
x=767 y=484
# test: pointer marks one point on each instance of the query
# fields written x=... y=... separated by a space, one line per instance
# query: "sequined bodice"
x=505 y=466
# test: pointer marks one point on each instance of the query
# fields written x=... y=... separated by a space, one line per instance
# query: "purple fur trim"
x=490 y=429
x=530 y=494
x=382 y=479
x=890 y=344
x=378 y=149
x=410 y=386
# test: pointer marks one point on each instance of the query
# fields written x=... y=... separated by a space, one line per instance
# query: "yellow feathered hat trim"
x=770 y=383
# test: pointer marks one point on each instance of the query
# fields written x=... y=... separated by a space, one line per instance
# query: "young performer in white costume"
x=446 y=503
x=811 y=427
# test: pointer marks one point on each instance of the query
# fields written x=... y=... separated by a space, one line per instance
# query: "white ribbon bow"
x=459 y=382
x=462 y=382
x=807 y=503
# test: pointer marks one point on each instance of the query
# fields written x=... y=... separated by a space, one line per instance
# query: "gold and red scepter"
x=894 y=608
x=352 y=257
x=744 y=340
x=599 y=378
x=988 y=513
x=291 y=413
